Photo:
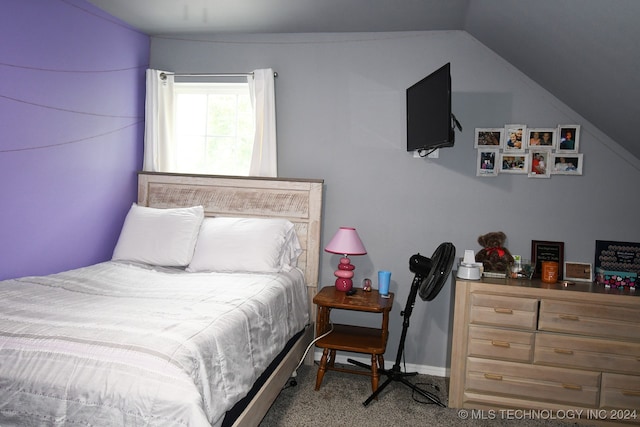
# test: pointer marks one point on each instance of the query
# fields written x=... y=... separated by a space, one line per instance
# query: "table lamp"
x=345 y=242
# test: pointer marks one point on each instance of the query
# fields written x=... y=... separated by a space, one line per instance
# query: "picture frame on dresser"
x=617 y=264
x=542 y=250
x=617 y=256
x=578 y=271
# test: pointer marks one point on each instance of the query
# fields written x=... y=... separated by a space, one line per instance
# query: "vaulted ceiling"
x=590 y=46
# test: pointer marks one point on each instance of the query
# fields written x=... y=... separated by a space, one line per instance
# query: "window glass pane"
x=214 y=128
x=191 y=155
x=223 y=155
x=223 y=110
x=191 y=114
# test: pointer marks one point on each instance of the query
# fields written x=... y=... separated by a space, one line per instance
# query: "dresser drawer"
x=543 y=383
x=504 y=344
x=589 y=319
x=510 y=312
x=587 y=353
x=620 y=391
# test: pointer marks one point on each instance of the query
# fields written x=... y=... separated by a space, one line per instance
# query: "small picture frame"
x=486 y=163
x=542 y=138
x=568 y=139
x=514 y=163
x=539 y=163
x=566 y=164
x=514 y=138
x=617 y=256
x=578 y=272
x=489 y=138
x=546 y=251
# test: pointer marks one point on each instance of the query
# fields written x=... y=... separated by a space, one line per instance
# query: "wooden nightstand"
x=356 y=339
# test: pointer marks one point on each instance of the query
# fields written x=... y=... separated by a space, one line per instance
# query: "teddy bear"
x=494 y=256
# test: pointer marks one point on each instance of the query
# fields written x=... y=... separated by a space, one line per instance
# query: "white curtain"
x=264 y=161
x=158 y=133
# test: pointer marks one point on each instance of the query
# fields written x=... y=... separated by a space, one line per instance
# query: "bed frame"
x=298 y=200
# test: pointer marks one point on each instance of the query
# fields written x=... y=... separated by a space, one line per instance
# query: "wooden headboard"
x=298 y=200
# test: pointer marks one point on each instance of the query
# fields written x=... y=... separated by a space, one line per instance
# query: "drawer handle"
x=572 y=386
x=562 y=351
x=569 y=317
x=493 y=377
x=497 y=343
x=503 y=310
x=631 y=393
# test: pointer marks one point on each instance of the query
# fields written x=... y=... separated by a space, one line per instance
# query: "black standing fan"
x=430 y=277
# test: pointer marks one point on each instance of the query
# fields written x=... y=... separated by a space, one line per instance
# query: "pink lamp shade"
x=345 y=242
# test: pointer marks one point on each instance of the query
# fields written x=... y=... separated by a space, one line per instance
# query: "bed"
x=138 y=340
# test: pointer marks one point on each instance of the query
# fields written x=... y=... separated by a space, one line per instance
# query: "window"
x=214 y=128
x=223 y=128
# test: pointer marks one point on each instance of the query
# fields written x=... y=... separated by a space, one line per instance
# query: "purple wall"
x=71 y=132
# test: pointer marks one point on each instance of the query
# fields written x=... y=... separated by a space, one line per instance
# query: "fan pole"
x=430 y=276
x=395 y=373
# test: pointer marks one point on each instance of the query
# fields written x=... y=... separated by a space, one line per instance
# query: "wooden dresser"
x=528 y=344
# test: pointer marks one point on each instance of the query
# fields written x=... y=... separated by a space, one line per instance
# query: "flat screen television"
x=430 y=123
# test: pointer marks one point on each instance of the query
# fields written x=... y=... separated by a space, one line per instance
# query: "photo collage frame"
x=535 y=152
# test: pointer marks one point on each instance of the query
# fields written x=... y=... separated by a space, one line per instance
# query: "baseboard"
x=421 y=369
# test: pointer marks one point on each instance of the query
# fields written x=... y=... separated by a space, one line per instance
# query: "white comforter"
x=126 y=345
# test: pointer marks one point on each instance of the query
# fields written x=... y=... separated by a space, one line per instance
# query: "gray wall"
x=341 y=117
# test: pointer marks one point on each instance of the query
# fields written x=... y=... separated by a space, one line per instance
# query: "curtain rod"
x=163 y=76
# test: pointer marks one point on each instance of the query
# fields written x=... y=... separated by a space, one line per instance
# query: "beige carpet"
x=339 y=403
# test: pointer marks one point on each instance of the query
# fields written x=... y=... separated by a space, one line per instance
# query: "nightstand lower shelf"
x=356 y=339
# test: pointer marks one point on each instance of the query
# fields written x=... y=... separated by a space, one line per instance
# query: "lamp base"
x=344 y=273
x=343 y=284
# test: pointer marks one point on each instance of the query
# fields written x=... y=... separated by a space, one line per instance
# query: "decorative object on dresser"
x=578 y=271
x=345 y=242
x=521 y=268
x=546 y=251
x=546 y=347
x=617 y=263
x=550 y=271
x=468 y=268
x=494 y=255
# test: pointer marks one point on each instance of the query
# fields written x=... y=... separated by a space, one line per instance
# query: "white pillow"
x=258 y=245
x=164 y=237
